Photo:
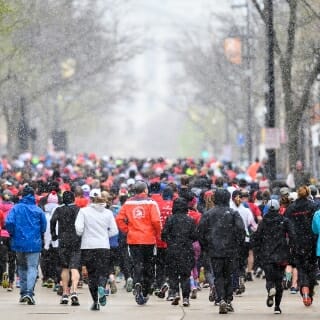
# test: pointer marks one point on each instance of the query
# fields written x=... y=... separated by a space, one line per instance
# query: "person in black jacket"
x=69 y=245
x=272 y=242
x=300 y=213
x=221 y=234
x=179 y=232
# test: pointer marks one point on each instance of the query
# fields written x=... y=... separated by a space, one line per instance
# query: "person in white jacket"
x=245 y=257
x=96 y=224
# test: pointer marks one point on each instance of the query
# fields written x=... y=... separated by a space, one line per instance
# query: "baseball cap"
x=284 y=191
x=85 y=188
x=95 y=193
x=273 y=205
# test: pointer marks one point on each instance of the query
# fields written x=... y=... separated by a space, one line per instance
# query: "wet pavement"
x=122 y=305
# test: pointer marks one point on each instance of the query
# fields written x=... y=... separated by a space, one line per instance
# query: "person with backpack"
x=221 y=234
x=272 y=242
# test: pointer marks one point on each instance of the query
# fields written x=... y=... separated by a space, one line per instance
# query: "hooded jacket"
x=26 y=224
x=300 y=213
x=95 y=224
x=270 y=241
x=221 y=229
x=179 y=233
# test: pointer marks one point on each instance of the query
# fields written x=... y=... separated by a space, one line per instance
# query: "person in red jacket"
x=165 y=206
x=139 y=218
x=194 y=277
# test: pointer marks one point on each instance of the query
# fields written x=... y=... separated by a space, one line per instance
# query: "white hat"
x=130 y=182
x=273 y=204
x=85 y=188
x=95 y=193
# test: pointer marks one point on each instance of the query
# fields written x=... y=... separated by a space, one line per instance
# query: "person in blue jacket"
x=26 y=224
x=316 y=230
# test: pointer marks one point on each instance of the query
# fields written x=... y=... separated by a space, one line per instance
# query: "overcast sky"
x=160 y=21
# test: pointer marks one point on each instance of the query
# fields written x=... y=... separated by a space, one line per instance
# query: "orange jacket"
x=139 y=218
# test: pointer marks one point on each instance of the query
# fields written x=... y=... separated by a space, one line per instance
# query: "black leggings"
x=6 y=255
x=143 y=264
x=97 y=263
x=274 y=276
x=222 y=268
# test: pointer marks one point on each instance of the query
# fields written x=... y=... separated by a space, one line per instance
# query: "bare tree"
x=68 y=61
x=296 y=24
x=212 y=89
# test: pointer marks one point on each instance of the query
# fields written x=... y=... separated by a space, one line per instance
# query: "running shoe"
x=277 y=310
x=230 y=307
x=294 y=290
x=307 y=300
x=31 y=300
x=64 y=299
x=113 y=287
x=102 y=296
x=162 y=293
x=74 y=299
x=223 y=307
x=95 y=306
x=194 y=292
x=176 y=300
x=186 y=302
x=129 y=284
x=270 y=297
x=138 y=294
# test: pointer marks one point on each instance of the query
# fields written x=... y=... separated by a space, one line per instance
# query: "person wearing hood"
x=179 y=233
x=63 y=220
x=49 y=259
x=272 y=242
x=221 y=234
x=26 y=224
x=7 y=256
x=96 y=225
x=300 y=213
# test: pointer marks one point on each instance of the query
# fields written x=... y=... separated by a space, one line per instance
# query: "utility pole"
x=248 y=72
x=270 y=80
x=249 y=87
x=23 y=128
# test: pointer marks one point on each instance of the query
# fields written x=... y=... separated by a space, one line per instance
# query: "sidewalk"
x=123 y=306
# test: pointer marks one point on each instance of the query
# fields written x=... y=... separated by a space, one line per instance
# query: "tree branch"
x=309 y=83
x=307 y=5
x=264 y=19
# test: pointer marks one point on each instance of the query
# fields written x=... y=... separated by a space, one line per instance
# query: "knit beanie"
x=68 y=197
x=52 y=197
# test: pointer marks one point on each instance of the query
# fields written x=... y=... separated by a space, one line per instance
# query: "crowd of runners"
x=166 y=227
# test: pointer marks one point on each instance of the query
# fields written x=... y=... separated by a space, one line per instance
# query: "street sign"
x=271 y=138
x=241 y=140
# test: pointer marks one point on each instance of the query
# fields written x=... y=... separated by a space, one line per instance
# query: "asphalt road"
x=251 y=305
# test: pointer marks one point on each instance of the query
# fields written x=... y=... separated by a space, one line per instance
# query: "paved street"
x=122 y=305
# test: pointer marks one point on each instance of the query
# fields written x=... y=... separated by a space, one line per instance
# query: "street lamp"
x=270 y=80
x=59 y=136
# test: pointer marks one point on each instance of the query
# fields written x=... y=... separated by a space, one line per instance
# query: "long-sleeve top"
x=95 y=224
x=248 y=219
x=139 y=218
x=26 y=223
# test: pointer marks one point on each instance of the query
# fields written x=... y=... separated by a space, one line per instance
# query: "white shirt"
x=247 y=217
x=95 y=224
x=49 y=210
